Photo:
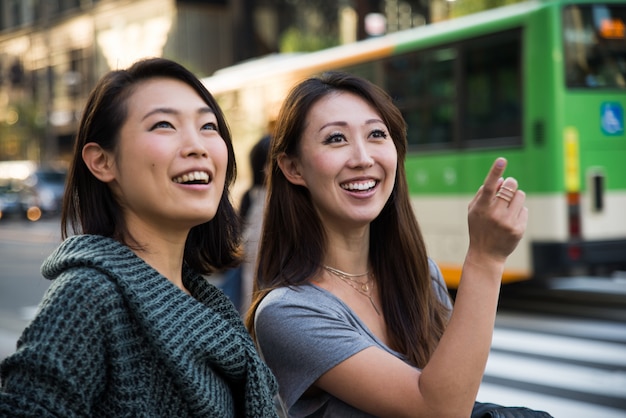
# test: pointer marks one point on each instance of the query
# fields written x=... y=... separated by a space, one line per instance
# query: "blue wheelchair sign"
x=612 y=118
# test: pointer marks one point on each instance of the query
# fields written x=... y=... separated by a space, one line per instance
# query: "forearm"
x=452 y=377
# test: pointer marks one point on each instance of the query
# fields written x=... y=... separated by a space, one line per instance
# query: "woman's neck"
x=348 y=252
x=162 y=250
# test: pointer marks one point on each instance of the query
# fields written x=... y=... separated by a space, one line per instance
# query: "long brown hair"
x=293 y=242
x=89 y=207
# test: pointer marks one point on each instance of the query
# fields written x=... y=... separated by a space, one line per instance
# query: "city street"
x=437 y=90
x=561 y=349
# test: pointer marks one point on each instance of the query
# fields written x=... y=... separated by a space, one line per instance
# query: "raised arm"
x=497 y=220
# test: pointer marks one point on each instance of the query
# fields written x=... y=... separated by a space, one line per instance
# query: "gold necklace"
x=363 y=288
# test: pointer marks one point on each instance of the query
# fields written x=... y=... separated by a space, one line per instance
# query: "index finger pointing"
x=494 y=175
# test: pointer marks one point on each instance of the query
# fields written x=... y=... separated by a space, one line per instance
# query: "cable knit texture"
x=114 y=338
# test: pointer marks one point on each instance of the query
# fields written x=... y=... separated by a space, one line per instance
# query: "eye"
x=378 y=133
x=212 y=126
x=161 y=125
x=335 y=138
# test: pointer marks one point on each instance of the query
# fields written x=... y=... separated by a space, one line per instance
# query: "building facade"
x=53 y=51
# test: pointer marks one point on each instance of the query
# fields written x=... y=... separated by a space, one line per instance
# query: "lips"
x=193 y=177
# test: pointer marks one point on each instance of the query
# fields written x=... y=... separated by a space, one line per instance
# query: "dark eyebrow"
x=341 y=123
x=170 y=111
x=338 y=123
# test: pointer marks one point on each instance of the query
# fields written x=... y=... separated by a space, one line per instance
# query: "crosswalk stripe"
x=560 y=347
x=611 y=383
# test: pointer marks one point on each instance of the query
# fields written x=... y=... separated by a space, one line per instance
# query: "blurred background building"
x=53 y=51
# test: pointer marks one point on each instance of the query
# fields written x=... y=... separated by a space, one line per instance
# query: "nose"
x=193 y=144
x=361 y=156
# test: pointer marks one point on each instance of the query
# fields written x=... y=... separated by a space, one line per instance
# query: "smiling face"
x=347 y=160
x=170 y=162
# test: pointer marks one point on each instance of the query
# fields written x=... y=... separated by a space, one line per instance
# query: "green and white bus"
x=542 y=83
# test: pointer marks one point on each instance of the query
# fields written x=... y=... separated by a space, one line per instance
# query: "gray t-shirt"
x=305 y=331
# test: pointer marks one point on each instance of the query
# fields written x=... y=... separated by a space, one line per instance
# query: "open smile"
x=359 y=186
x=193 y=177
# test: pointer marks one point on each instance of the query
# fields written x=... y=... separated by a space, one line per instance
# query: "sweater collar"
x=199 y=332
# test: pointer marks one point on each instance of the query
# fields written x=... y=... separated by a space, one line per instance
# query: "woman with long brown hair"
x=350 y=313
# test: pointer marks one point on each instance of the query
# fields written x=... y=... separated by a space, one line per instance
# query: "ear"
x=99 y=162
x=290 y=168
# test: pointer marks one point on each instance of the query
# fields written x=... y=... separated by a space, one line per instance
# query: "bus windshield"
x=595 y=46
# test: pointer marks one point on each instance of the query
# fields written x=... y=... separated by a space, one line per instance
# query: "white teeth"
x=193 y=176
x=359 y=186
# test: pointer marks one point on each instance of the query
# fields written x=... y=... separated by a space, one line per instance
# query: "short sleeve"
x=301 y=335
x=439 y=284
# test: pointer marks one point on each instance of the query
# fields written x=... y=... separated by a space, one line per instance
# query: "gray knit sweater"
x=114 y=338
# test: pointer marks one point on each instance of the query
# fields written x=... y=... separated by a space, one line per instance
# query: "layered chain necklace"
x=363 y=288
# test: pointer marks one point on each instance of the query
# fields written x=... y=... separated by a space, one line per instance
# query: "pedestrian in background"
x=237 y=283
x=351 y=314
x=129 y=326
x=251 y=212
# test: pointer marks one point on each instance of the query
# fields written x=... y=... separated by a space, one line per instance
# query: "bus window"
x=491 y=98
x=369 y=70
x=422 y=84
x=594 y=42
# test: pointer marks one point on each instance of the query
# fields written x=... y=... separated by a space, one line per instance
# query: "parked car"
x=43 y=190
x=10 y=198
